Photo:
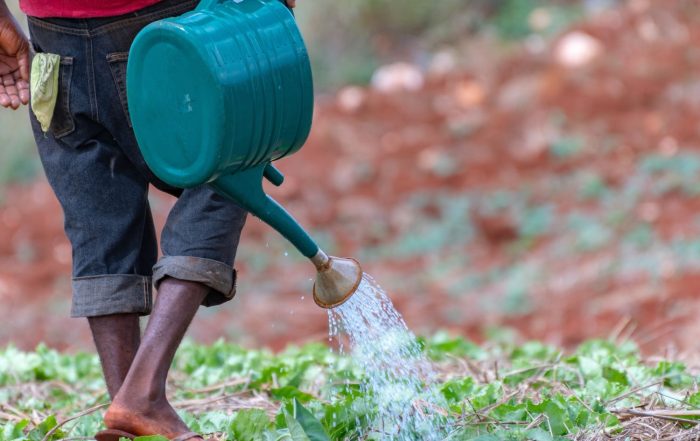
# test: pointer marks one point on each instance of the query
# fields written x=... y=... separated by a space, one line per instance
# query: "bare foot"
x=157 y=418
x=141 y=407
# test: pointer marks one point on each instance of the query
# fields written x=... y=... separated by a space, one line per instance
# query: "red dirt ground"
x=491 y=121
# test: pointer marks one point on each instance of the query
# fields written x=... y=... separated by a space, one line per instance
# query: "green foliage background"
x=499 y=392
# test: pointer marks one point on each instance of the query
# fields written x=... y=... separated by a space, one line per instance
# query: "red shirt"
x=81 y=8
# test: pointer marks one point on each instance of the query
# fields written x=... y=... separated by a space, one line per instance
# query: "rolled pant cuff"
x=111 y=294
x=218 y=276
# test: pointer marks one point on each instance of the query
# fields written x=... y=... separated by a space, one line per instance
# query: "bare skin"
x=14 y=61
x=117 y=339
x=141 y=407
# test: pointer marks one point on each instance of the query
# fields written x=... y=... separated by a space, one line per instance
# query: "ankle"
x=142 y=402
x=117 y=338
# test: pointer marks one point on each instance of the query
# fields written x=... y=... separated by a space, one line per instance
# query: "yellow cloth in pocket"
x=44 y=87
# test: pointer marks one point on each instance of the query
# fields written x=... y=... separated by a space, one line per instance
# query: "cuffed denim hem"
x=111 y=294
x=218 y=276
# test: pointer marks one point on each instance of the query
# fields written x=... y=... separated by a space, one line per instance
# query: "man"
x=94 y=166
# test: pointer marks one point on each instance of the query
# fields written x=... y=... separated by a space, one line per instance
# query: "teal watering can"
x=217 y=94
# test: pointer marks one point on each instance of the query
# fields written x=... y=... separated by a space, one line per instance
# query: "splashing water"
x=398 y=378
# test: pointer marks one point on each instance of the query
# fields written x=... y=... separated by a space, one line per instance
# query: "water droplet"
x=286 y=254
x=397 y=374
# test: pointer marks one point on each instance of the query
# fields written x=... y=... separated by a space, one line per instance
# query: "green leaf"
x=538 y=434
x=295 y=430
x=290 y=392
x=486 y=395
x=675 y=373
x=590 y=368
x=344 y=417
x=211 y=422
x=12 y=431
x=533 y=350
x=487 y=438
x=295 y=380
x=299 y=417
x=694 y=400
x=554 y=413
x=249 y=425
x=457 y=390
x=442 y=344
x=40 y=431
x=509 y=412
x=615 y=376
x=151 y=438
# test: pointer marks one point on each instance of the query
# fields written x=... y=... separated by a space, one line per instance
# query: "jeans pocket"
x=62 y=122
x=117 y=64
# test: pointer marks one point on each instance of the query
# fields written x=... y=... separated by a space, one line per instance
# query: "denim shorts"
x=94 y=165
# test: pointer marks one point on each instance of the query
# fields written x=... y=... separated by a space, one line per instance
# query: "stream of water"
x=398 y=378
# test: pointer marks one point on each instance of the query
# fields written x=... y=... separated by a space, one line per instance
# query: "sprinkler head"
x=337 y=279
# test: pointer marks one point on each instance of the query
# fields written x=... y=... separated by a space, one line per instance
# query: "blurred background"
x=504 y=168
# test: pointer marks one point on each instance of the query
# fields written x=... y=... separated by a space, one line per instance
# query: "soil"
x=490 y=124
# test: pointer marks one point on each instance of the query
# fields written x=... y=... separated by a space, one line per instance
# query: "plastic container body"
x=220 y=89
x=218 y=93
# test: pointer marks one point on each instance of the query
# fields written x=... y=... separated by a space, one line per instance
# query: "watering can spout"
x=245 y=187
x=336 y=280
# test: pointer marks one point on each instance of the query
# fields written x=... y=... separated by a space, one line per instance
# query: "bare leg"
x=141 y=407
x=117 y=338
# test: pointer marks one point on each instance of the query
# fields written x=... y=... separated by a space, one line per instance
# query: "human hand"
x=291 y=3
x=14 y=62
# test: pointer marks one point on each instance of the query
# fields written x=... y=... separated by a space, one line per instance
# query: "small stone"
x=351 y=99
x=540 y=19
x=649 y=212
x=344 y=177
x=639 y=6
x=437 y=162
x=648 y=30
x=398 y=77
x=520 y=92
x=535 y=44
x=668 y=146
x=463 y=125
x=469 y=94
x=444 y=62
x=577 y=49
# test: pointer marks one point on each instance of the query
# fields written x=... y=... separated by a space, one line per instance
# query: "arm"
x=14 y=61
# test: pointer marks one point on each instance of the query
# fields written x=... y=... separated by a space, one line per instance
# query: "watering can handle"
x=273 y=175
x=207 y=4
